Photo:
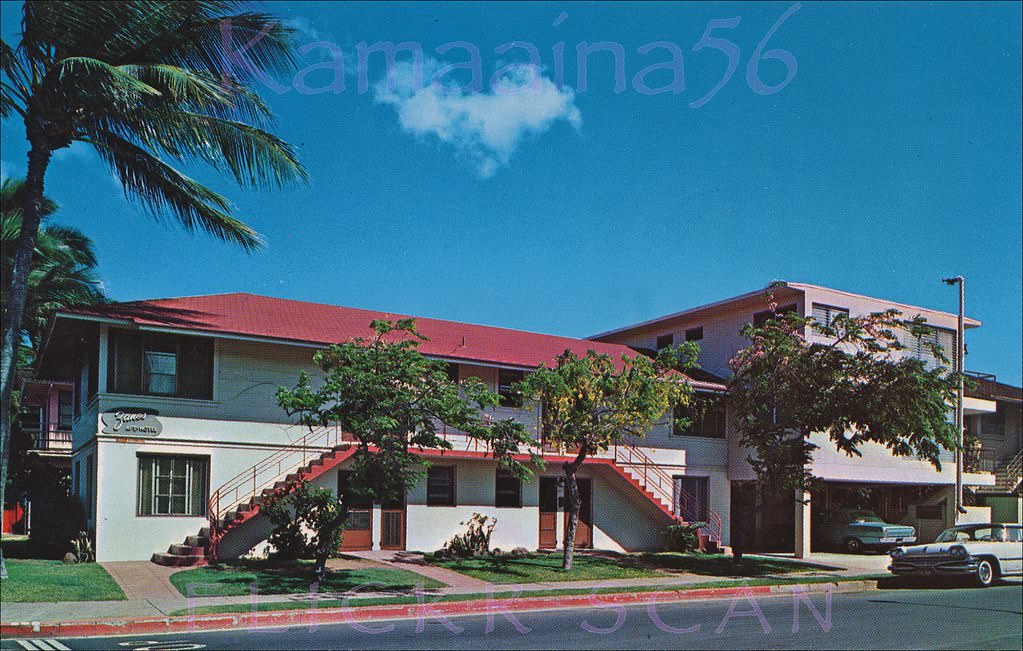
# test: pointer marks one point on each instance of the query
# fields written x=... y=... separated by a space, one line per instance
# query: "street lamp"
x=959 y=368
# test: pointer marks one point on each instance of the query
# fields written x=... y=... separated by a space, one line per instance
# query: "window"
x=440 y=486
x=173 y=485
x=160 y=372
x=761 y=318
x=922 y=346
x=65 y=410
x=705 y=416
x=505 y=380
x=664 y=341
x=692 y=495
x=31 y=418
x=452 y=371
x=825 y=314
x=507 y=490
x=162 y=365
x=694 y=334
x=993 y=425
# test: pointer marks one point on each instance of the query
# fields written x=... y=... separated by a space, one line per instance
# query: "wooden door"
x=392 y=524
x=548 y=513
x=358 y=535
x=583 y=530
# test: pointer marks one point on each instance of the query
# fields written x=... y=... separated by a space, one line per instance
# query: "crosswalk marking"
x=42 y=645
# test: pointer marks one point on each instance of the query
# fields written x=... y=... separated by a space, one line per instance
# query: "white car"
x=983 y=551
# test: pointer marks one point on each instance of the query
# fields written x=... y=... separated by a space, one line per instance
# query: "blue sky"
x=890 y=159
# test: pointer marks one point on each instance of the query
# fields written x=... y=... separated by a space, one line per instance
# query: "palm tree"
x=142 y=81
x=62 y=274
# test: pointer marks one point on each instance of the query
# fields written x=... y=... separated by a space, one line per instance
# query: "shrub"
x=57 y=520
x=305 y=510
x=683 y=536
x=476 y=539
x=84 y=552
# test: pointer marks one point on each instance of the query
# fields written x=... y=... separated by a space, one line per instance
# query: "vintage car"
x=981 y=551
x=857 y=529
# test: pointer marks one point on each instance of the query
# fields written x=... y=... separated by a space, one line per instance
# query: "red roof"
x=316 y=323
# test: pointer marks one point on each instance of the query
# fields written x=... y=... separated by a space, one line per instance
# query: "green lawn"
x=546 y=566
x=721 y=565
x=235 y=577
x=541 y=567
x=36 y=580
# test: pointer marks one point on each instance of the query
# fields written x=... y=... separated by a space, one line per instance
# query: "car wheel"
x=853 y=546
x=987 y=573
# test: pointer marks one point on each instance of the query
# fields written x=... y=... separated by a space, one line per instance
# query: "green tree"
x=390 y=398
x=141 y=82
x=592 y=402
x=852 y=382
x=62 y=274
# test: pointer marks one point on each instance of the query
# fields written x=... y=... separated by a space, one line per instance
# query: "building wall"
x=121 y=534
x=242 y=425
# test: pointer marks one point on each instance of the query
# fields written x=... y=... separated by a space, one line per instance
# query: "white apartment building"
x=176 y=435
x=903 y=490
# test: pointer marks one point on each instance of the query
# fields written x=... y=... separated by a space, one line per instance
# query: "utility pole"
x=960 y=368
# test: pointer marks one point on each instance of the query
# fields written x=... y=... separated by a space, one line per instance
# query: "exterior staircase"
x=239 y=499
x=660 y=487
x=1009 y=476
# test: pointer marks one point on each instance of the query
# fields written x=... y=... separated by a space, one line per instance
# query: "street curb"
x=351 y=615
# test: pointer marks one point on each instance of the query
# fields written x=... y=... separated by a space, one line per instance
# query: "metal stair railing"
x=249 y=483
x=657 y=481
x=1010 y=474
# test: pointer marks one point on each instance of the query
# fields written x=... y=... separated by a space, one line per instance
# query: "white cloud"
x=484 y=128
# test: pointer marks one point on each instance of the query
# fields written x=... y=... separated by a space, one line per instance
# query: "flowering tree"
x=593 y=402
x=853 y=383
x=390 y=399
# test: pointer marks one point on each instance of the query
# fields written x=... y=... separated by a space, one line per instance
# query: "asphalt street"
x=938 y=618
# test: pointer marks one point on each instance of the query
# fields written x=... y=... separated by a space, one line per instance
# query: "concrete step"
x=197 y=541
x=187 y=550
x=173 y=560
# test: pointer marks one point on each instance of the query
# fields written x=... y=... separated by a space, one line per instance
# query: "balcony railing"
x=52 y=440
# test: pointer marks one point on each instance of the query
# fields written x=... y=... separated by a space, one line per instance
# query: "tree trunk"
x=572 y=499
x=31 y=213
x=323 y=546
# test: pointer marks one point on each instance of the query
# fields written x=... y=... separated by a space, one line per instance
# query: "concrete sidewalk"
x=160 y=598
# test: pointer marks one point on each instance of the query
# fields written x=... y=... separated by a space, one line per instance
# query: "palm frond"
x=94 y=77
x=167 y=192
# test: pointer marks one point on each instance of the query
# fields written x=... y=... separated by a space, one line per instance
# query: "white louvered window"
x=921 y=346
x=825 y=314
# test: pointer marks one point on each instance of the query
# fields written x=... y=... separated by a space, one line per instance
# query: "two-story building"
x=900 y=489
x=47 y=410
x=995 y=445
x=176 y=427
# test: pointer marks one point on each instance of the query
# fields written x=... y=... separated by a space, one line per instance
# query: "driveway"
x=867 y=563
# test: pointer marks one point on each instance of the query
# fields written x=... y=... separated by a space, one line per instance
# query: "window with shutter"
x=143 y=363
x=825 y=314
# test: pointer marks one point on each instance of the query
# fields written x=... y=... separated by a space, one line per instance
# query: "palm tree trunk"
x=31 y=213
x=572 y=499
